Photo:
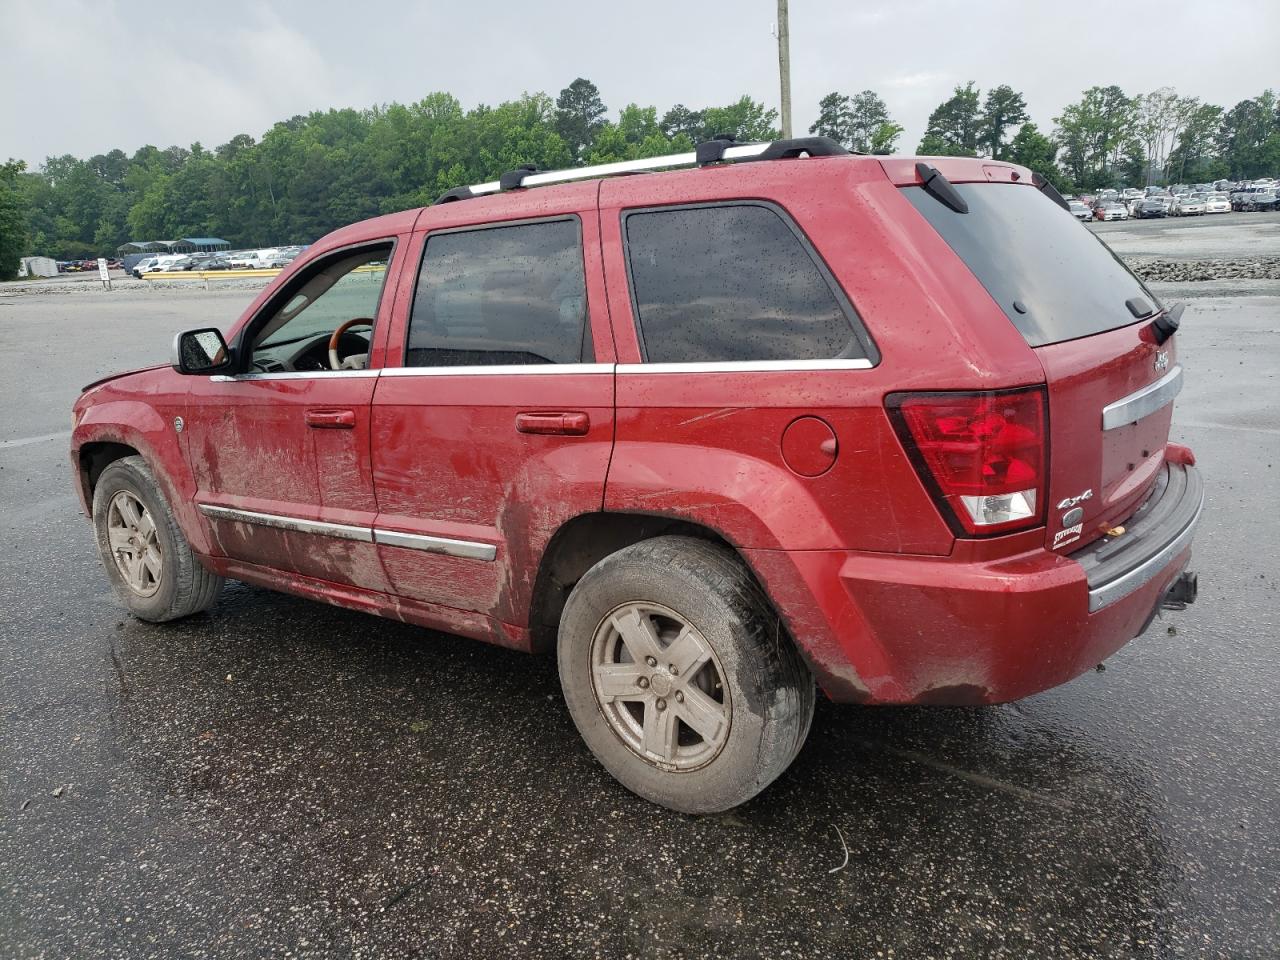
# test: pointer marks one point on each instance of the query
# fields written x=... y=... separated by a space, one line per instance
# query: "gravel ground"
x=285 y=779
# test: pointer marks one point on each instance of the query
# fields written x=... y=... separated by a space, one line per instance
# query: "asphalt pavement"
x=281 y=778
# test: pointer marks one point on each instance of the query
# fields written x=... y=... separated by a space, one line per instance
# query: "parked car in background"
x=702 y=483
x=1261 y=200
x=144 y=266
x=1217 y=203
x=1187 y=206
x=1079 y=210
x=214 y=263
x=1150 y=208
x=1110 y=210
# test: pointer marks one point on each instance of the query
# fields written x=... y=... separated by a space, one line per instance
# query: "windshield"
x=1053 y=280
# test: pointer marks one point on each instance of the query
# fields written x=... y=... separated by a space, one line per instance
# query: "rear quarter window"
x=731 y=283
x=1051 y=276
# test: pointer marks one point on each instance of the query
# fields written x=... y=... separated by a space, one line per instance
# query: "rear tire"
x=148 y=560
x=733 y=714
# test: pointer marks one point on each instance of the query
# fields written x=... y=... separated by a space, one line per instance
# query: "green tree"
x=1193 y=159
x=1033 y=150
x=834 y=118
x=744 y=120
x=680 y=120
x=867 y=115
x=1247 y=138
x=885 y=137
x=580 y=115
x=13 y=220
x=1003 y=108
x=1095 y=135
x=954 y=124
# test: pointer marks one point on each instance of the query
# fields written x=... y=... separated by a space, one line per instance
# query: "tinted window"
x=501 y=295
x=731 y=283
x=1025 y=249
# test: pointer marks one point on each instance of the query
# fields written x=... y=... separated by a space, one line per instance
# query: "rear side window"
x=1051 y=276
x=732 y=283
x=501 y=295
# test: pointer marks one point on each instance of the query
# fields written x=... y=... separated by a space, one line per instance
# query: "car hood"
x=123 y=373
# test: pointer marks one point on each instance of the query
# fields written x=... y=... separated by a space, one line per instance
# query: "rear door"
x=1089 y=321
x=493 y=422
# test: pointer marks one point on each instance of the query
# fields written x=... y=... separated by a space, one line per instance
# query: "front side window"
x=340 y=293
x=501 y=295
x=728 y=283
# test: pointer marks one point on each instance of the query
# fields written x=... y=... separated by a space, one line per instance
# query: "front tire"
x=680 y=677
x=148 y=560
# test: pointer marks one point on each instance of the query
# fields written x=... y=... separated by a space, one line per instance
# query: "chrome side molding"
x=339 y=530
x=1144 y=402
x=467 y=549
x=452 y=548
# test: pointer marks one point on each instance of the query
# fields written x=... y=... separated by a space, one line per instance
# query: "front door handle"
x=573 y=424
x=331 y=419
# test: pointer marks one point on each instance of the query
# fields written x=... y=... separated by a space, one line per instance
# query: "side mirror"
x=200 y=351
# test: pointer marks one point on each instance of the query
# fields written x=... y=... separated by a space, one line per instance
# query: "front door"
x=280 y=449
x=493 y=421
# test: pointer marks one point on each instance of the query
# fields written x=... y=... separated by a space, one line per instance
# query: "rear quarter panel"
x=706 y=446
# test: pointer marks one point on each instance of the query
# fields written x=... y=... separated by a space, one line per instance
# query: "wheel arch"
x=584 y=540
x=95 y=456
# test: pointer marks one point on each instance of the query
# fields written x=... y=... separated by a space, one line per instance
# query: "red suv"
x=898 y=425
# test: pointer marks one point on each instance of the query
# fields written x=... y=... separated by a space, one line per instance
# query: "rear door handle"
x=331 y=419
x=573 y=424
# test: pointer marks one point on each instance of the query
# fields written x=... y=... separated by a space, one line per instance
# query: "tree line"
x=310 y=174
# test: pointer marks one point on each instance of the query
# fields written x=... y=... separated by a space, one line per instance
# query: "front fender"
x=152 y=433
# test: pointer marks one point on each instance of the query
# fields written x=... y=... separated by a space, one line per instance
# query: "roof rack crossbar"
x=726 y=150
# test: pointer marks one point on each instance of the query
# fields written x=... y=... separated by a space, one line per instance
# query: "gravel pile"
x=1249 y=268
x=59 y=287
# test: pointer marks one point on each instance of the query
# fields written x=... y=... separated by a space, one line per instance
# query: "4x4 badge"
x=1162 y=360
x=1070 y=502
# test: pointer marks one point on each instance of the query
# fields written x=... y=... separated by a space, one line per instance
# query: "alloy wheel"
x=135 y=549
x=660 y=686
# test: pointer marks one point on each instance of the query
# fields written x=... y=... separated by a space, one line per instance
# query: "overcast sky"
x=82 y=78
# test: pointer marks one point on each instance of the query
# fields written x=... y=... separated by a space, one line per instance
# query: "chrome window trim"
x=340 y=530
x=746 y=366
x=1144 y=402
x=468 y=549
x=512 y=369
x=1143 y=574
x=292 y=375
x=453 y=548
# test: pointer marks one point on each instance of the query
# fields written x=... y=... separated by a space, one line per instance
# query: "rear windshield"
x=1050 y=275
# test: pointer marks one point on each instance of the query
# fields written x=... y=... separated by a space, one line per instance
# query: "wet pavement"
x=281 y=778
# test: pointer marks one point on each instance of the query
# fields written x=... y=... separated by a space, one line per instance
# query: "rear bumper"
x=1154 y=536
x=882 y=628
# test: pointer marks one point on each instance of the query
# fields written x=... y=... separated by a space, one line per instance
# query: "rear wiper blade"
x=940 y=188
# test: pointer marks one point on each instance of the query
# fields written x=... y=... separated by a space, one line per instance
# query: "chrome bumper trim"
x=1143 y=402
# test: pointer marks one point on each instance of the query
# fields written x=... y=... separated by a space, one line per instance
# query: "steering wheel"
x=334 y=362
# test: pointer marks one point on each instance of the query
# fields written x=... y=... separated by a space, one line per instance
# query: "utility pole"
x=784 y=67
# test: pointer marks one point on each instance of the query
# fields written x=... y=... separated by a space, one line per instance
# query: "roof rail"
x=718 y=150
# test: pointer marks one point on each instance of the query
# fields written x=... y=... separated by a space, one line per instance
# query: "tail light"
x=983 y=456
